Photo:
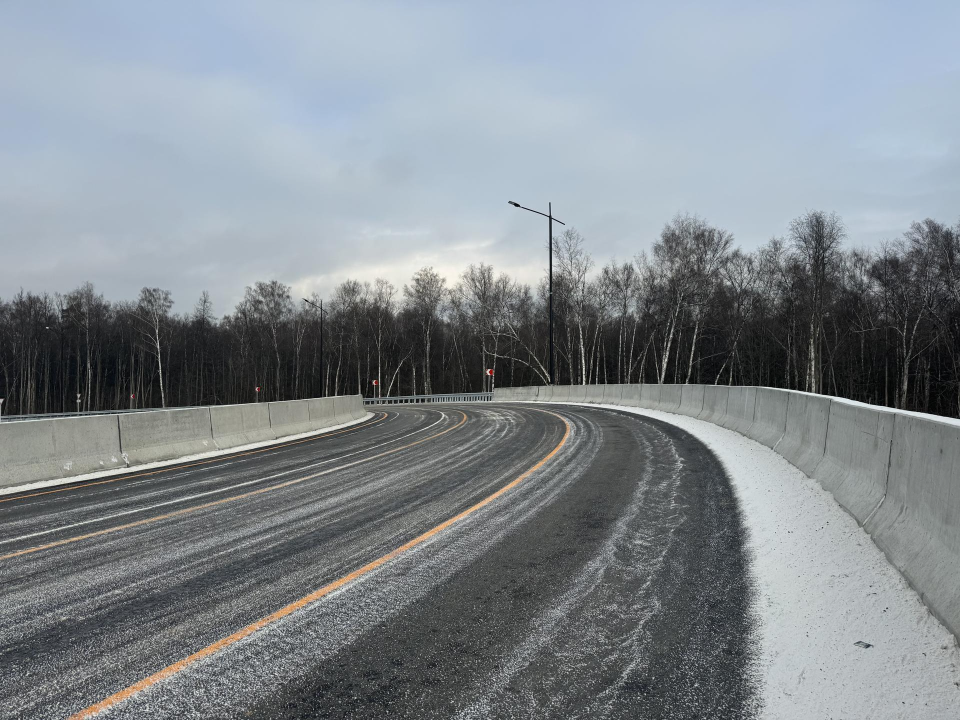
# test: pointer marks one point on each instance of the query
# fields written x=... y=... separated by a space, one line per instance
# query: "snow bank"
x=822 y=586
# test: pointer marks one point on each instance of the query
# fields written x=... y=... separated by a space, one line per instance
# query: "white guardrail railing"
x=419 y=399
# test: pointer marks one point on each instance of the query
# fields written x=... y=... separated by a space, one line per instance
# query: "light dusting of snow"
x=823 y=585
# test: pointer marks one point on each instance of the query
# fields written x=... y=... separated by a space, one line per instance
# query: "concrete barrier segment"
x=918 y=523
x=769 y=417
x=49 y=449
x=805 y=433
x=691 y=400
x=612 y=394
x=670 y=396
x=235 y=425
x=856 y=457
x=631 y=395
x=714 y=403
x=650 y=396
x=165 y=434
x=741 y=406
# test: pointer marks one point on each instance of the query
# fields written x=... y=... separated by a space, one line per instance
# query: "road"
x=486 y=560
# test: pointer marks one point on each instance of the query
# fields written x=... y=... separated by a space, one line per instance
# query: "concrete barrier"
x=691 y=400
x=290 y=417
x=612 y=394
x=347 y=408
x=918 y=523
x=323 y=413
x=578 y=393
x=34 y=450
x=650 y=396
x=769 y=417
x=714 y=403
x=856 y=456
x=741 y=404
x=631 y=395
x=805 y=433
x=545 y=393
x=561 y=393
x=165 y=434
x=234 y=425
x=670 y=396
x=593 y=393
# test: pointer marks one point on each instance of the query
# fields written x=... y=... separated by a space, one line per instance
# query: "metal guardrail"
x=420 y=399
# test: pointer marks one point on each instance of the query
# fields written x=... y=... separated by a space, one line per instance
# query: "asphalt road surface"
x=436 y=561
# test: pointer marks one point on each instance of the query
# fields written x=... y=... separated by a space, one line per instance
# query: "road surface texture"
x=436 y=561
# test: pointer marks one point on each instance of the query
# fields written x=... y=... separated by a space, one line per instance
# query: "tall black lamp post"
x=323 y=380
x=550 y=220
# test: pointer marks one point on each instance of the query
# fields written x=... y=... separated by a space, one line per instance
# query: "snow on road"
x=823 y=586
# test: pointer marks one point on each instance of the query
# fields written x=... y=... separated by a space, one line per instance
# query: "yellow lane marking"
x=283 y=612
x=223 y=501
x=171 y=468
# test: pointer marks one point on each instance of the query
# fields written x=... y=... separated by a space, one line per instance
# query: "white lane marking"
x=443 y=416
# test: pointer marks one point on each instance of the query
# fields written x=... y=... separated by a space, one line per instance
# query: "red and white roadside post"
x=1 y=409
x=133 y=403
x=376 y=385
x=257 y=391
x=489 y=374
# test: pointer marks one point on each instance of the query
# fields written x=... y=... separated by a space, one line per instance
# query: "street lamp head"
x=511 y=202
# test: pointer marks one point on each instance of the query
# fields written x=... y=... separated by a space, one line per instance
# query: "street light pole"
x=550 y=221
x=322 y=312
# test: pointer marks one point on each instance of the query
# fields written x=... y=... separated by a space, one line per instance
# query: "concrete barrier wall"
x=561 y=393
x=691 y=400
x=48 y=449
x=741 y=403
x=323 y=413
x=347 y=408
x=856 y=456
x=631 y=395
x=594 y=393
x=918 y=523
x=805 y=434
x=545 y=393
x=165 y=434
x=769 y=417
x=650 y=396
x=714 y=403
x=612 y=394
x=234 y=425
x=670 y=396
x=35 y=450
x=290 y=417
x=578 y=393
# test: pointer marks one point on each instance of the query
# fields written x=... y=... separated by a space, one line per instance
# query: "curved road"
x=435 y=561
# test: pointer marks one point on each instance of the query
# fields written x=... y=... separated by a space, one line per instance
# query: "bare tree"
x=152 y=310
x=816 y=238
x=424 y=297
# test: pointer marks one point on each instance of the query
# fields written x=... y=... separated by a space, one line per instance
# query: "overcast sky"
x=204 y=146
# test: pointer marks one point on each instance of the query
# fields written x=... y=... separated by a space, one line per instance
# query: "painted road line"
x=223 y=501
x=217 y=491
x=174 y=467
x=283 y=612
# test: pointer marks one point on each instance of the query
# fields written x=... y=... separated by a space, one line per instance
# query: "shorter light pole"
x=323 y=381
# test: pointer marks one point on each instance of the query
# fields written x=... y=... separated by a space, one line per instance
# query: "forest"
x=805 y=311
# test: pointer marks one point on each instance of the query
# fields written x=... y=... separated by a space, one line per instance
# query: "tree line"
x=803 y=312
